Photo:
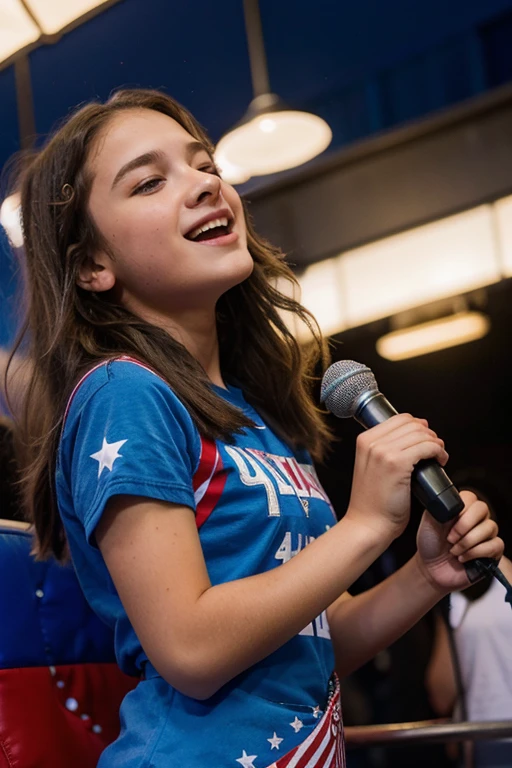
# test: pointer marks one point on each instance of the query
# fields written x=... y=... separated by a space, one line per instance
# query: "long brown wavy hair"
x=67 y=330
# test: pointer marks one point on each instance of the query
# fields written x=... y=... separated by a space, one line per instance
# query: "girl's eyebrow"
x=148 y=158
x=154 y=157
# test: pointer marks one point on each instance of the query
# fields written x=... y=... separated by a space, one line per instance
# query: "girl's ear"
x=96 y=274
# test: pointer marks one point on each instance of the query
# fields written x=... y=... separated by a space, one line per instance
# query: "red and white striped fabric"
x=209 y=480
x=325 y=746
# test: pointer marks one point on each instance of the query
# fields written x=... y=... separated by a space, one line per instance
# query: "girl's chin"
x=244 y=270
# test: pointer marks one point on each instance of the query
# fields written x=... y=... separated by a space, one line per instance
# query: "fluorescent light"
x=448 y=257
x=321 y=295
x=17 y=29
x=433 y=336
x=275 y=141
x=10 y=219
x=503 y=210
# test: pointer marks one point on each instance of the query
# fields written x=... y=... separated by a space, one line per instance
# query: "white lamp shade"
x=17 y=30
x=10 y=219
x=229 y=172
x=275 y=141
x=54 y=15
x=433 y=336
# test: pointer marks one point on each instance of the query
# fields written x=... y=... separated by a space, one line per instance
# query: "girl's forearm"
x=236 y=624
x=362 y=626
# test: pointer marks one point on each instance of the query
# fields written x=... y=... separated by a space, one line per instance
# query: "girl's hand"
x=385 y=458
x=444 y=548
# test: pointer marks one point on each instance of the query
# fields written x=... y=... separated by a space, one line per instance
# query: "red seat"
x=60 y=686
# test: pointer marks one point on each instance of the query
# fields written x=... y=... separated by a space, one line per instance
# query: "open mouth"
x=212 y=230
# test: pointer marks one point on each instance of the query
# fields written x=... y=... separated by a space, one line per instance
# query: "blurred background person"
x=469 y=675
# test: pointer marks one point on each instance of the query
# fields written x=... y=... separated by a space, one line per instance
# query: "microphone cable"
x=490 y=566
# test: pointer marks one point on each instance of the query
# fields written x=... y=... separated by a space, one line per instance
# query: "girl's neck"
x=196 y=329
x=198 y=334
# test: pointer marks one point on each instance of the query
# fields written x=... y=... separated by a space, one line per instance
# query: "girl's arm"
x=364 y=625
x=440 y=676
x=200 y=636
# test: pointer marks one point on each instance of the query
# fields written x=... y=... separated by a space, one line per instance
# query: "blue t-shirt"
x=257 y=503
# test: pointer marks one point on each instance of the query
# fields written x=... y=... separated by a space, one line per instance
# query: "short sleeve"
x=126 y=432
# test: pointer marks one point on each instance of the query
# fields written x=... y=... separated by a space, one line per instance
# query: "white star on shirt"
x=297 y=724
x=108 y=454
x=246 y=760
x=275 y=741
x=317 y=711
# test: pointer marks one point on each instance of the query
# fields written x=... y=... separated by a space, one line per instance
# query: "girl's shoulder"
x=115 y=371
x=124 y=385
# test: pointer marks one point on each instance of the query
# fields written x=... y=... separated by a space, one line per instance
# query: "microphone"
x=349 y=390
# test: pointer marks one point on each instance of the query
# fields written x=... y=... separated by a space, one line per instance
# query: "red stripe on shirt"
x=211 y=474
x=207 y=459
x=313 y=753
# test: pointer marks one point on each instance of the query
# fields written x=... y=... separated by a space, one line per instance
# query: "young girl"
x=169 y=434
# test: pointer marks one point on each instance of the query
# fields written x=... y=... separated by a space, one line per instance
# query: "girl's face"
x=176 y=231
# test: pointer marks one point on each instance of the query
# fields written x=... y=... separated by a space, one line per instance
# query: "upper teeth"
x=209 y=225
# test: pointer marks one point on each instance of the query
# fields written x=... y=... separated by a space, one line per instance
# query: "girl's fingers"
x=471 y=516
x=493 y=548
x=403 y=433
x=409 y=434
x=427 y=449
x=385 y=428
x=468 y=497
x=403 y=438
x=484 y=531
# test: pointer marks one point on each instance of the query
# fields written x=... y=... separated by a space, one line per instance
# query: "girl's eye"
x=147 y=186
x=210 y=168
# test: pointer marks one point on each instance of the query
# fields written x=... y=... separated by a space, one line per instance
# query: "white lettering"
x=245 y=463
x=314 y=483
x=320 y=626
x=285 y=551
x=283 y=486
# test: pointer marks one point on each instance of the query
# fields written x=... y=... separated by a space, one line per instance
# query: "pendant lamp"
x=270 y=137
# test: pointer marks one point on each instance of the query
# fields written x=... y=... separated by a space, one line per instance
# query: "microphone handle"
x=429 y=483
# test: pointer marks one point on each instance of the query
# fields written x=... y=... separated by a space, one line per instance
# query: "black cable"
x=490 y=566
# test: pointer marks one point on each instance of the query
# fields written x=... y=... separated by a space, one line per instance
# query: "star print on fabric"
x=297 y=724
x=246 y=761
x=107 y=455
x=275 y=741
x=317 y=711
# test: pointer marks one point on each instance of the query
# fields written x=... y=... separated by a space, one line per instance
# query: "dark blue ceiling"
x=197 y=51
x=364 y=66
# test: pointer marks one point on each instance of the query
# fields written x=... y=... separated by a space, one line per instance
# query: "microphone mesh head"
x=342 y=385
